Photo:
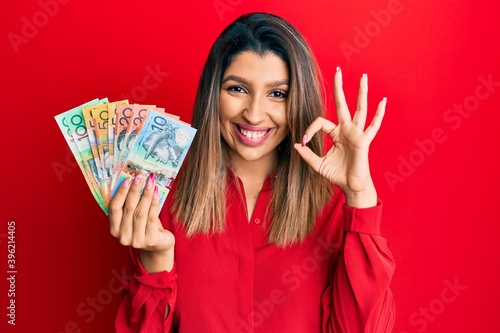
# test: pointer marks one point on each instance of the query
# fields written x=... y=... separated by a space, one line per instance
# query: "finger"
x=372 y=130
x=360 y=116
x=319 y=124
x=141 y=213
x=153 y=225
x=309 y=156
x=116 y=207
x=154 y=209
x=343 y=114
x=129 y=208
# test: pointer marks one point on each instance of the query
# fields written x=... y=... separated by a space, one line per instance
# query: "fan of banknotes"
x=113 y=141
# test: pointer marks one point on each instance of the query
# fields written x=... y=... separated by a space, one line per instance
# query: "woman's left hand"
x=346 y=163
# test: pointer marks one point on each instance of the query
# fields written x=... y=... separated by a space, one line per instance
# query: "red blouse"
x=337 y=280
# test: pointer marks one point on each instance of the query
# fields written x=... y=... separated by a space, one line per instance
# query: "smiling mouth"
x=252 y=134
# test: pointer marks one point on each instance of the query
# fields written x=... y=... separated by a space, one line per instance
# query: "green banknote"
x=73 y=137
x=77 y=126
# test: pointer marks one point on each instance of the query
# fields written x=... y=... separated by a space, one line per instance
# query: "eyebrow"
x=239 y=79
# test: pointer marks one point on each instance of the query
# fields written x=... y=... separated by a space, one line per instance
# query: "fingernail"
x=338 y=68
x=365 y=75
x=304 y=140
x=155 y=192
x=127 y=182
x=384 y=99
x=151 y=180
x=137 y=179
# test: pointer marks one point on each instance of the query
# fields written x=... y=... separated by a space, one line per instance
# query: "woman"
x=269 y=236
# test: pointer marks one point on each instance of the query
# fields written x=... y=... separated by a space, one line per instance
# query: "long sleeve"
x=359 y=300
x=145 y=299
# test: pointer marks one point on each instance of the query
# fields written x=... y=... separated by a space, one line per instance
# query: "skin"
x=250 y=96
x=346 y=163
x=253 y=100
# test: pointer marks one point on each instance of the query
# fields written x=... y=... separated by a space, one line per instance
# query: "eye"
x=237 y=89
x=279 y=94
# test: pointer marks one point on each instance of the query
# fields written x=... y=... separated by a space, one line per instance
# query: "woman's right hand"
x=134 y=221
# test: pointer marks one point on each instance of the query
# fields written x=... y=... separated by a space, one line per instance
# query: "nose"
x=255 y=111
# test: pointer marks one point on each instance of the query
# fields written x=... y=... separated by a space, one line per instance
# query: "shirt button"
x=161 y=281
x=257 y=221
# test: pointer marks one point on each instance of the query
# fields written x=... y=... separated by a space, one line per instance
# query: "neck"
x=253 y=171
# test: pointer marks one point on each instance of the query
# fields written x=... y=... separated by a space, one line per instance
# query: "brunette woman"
x=270 y=234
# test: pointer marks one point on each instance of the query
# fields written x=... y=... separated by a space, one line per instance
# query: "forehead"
x=257 y=68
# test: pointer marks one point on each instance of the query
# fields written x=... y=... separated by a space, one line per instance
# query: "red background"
x=426 y=56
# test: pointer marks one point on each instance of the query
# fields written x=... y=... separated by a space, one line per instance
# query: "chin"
x=256 y=155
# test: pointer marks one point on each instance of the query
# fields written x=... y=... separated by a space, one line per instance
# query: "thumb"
x=309 y=156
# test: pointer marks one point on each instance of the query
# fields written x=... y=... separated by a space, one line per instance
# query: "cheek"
x=225 y=125
x=224 y=119
x=279 y=117
x=282 y=123
x=228 y=107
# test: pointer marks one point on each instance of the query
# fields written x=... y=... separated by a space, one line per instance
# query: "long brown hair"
x=299 y=193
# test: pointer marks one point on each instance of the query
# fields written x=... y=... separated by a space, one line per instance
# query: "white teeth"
x=252 y=134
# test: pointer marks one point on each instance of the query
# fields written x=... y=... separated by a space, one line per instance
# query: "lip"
x=249 y=141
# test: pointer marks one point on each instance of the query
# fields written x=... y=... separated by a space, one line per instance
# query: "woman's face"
x=252 y=106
